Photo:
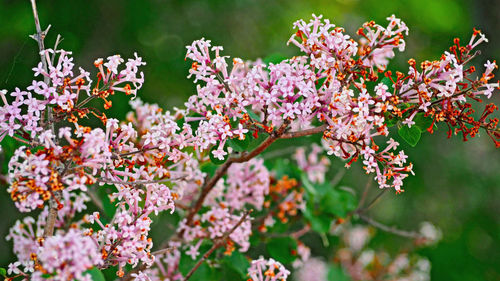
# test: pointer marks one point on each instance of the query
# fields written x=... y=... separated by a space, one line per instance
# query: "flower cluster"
x=267 y=270
x=364 y=263
x=314 y=165
x=60 y=257
x=201 y=161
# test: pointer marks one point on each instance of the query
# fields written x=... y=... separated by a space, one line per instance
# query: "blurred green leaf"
x=203 y=273
x=338 y=202
x=238 y=262
x=320 y=224
x=108 y=206
x=186 y=263
x=386 y=81
x=255 y=142
x=96 y=274
x=252 y=114
x=422 y=122
x=274 y=58
x=239 y=145
x=9 y=145
x=309 y=187
x=336 y=273
x=3 y=272
x=390 y=120
x=227 y=272
x=281 y=249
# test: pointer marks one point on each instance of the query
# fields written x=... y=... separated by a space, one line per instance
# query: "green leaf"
x=255 y=142
x=422 y=122
x=216 y=160
x=386 y=81
x=338 y=202
x=96 y=274
x=108 y=206
x=337 y=273
x=3 y=272
x=194 y=124
x=181 y=122
x=227 y=272
x=252 y=114
x=186 y=263
x=281 y=249
x=320 y=224
x=274 y=58
x=410 y=135
x=208 y=167
x=390 y=120
x=238 y=262
x=239 y=145
x=203 y=273
x=309 y=187
x=9 y=146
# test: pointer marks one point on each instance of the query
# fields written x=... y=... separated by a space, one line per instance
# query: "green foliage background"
x=457 y=185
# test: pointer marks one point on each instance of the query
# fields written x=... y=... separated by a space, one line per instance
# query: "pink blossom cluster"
x=301 y=90
x=314 y=165
x=166 y=266
x=360 y=261
x=267 y=270
x=60 y=257
x=246 y=186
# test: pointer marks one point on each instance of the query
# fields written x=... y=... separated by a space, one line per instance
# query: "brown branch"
x=307 y=132
x=393 y=230
x=221 y=171
x=137 y=182
x=365 y=192
x=204 y=192
x=48 y=230
x=39 y=37
x=163 y=251
x=138 y=151
x=217 y=244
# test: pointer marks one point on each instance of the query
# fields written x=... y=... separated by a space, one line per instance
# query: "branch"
x=307 y=132
x=138 y=151
x=40 y=35
x=137 y=182
x=365 y=193
x=163 y=251
x=393 y=230
x=221 y=171
x=204 y=192
x=374 y=200
x=217 y=244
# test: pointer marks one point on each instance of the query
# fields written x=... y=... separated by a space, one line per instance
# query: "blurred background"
x=457 y=185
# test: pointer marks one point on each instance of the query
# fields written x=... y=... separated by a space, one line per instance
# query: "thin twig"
x=279 y=152
x=163 y=251
x=374 y=200
x=138 y=151
x=39 y=37
x=393 y=230
x=365 y=192
x=137 y=182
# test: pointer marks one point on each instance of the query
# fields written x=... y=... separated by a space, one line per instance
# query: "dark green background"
x=457 y=185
